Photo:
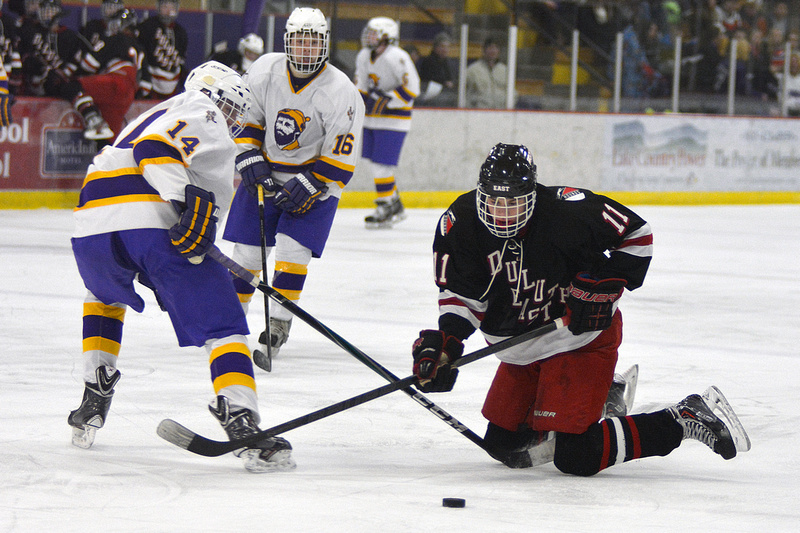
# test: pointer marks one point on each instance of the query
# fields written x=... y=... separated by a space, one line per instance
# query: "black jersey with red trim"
x=509 y=286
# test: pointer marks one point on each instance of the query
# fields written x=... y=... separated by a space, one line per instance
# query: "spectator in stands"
x=250 y=48
x=779 y=20
x=438 y=81
x=793 y=86
x=95 y=29
x=761 y=80
x=165 y=43
x=487 y=79
x=639 y=78
x=729 y=17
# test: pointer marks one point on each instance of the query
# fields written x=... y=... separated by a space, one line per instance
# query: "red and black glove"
x=590 y=302
x=433 y=353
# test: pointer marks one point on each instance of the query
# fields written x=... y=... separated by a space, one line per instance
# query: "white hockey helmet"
x=306 y=39
x=251 y=46
x=226 y=89
x=506 y=192
x=379 y=29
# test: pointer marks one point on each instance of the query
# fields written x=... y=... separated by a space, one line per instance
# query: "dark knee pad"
x=580 y=455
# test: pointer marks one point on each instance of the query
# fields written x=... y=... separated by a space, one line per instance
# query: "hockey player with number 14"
x=514 y=255
x=148 y=211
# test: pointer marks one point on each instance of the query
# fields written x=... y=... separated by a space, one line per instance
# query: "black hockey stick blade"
x=187 y=439
x=262 y=360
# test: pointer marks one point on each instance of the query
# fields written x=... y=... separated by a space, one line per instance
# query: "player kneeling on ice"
x=514 y=255
x=148 y=211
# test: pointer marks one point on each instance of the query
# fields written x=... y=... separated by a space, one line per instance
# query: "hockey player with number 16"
x=300 y=146
x=514 y=255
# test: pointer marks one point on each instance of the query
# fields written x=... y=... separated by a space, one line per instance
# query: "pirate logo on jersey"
x=288 y=127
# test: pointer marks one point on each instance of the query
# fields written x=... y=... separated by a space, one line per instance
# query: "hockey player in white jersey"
x=299 y=145
x=388 y=81
x=148 y=211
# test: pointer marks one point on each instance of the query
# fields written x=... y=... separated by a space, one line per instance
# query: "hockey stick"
x=216 y=254
x=187 y=439
x=264 y=360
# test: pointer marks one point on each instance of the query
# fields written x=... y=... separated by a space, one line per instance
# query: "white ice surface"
x=721 y=305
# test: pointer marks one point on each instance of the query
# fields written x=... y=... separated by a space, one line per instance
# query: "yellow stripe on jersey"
x=122 y=200
x=103 y=174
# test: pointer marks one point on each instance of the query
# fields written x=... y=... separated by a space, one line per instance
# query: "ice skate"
x=697 y=416
x=622 y=392
x=278 y=334
x=387 y=214
x=91 y=415
x=269 y=455
x=96 y=128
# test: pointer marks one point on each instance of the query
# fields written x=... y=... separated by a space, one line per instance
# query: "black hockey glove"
x=433 y=352
x=299 y=193
x=195 y=232
x=590 y=302
x=255 y=171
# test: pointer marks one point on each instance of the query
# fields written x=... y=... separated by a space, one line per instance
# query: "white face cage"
x=226 y=89
x=378 y=29
x=306 y=39
x=505 y=217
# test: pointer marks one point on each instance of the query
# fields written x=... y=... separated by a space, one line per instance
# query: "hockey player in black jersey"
x=514 y=255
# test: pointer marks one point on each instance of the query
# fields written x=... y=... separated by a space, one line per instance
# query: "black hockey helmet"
x=49 y=12
x=122 y=20
x=506 y=191
x=109 y=7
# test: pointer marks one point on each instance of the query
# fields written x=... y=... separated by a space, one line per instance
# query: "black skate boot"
x=700 y=423
x=387 y=214
x=268 y=455
x=91 y=415
x=621 y=394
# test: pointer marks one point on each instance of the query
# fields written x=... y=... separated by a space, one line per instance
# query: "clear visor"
x=108 y=9
x=505 y=217
x=306 y=50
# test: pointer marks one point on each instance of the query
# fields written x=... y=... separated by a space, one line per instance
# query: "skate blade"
x=279 y=462
x=263 y=360
x=631 y=377
x=717 y=402
x=83 y=437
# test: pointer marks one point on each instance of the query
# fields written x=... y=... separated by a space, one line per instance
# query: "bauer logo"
x=65 y=153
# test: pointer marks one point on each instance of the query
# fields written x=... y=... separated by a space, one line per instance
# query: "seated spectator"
x=762 y=82
x=487 y=79
x=438 y=81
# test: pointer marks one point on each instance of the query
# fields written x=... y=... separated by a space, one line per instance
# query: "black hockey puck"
x=454 y=502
